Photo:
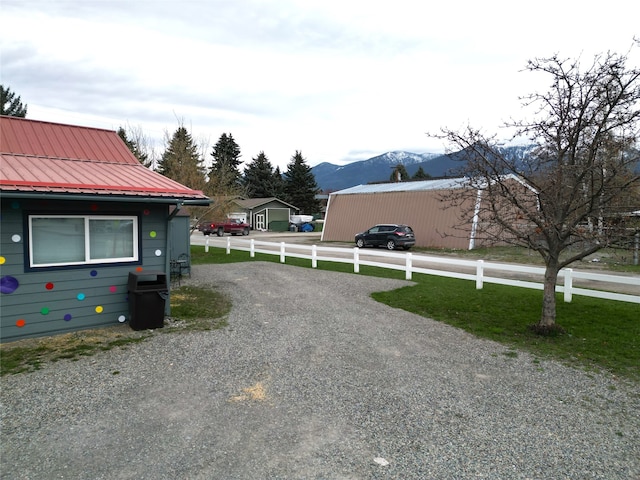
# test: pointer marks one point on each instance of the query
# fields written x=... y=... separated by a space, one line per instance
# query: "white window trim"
x=87 y=241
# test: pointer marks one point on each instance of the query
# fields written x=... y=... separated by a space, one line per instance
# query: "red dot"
x=146 y=211
x=20 y=323
x=112 y=289
x=138 y=269
x=94 y=207
x=49 y=286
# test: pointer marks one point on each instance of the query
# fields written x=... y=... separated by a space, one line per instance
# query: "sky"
x=339 y=81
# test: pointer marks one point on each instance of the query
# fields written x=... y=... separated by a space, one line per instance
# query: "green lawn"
x=600 y=334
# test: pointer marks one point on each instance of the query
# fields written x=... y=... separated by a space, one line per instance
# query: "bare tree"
x=565 y=198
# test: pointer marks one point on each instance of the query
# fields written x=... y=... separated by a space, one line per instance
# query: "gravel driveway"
x=312 y=379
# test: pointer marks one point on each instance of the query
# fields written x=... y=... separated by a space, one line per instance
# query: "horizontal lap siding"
x=424 y=211
x=91 y=296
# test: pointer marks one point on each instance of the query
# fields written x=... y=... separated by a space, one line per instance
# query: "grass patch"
x=600 y=334
x=192 y=309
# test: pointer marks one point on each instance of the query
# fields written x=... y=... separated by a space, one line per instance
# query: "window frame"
x=88 y=261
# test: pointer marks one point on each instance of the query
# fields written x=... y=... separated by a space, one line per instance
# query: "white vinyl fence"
x=475 y=270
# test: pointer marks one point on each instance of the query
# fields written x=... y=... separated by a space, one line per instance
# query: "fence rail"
x=474 y=270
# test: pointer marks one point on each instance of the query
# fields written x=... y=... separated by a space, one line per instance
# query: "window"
x=59 y=240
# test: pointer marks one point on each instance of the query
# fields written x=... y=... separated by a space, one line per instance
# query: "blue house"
x=78 y=213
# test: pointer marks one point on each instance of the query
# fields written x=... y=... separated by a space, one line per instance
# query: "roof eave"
x=108 y=198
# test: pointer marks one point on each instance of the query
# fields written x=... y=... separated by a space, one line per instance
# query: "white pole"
x=206 y=245
x=479 y=274
x=568 y=285
x=228 y=245
x=356 y=260
x=314 y=257
x=253 y=248
x=281 y=252
x=408 y=266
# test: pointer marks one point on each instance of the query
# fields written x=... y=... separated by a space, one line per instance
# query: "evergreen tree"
x=259 y=180
x=399 y=174
x=279 y=185
x=133 y=146
x=226 y=160
x=421 y=175
x=300 y=186
x=181 y=160
x=10 y=104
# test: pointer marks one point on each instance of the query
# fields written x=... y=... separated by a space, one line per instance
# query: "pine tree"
x=399 y=174
x=300 y=186
x=226 y=160
x=133 y=146
x=181 y=160
x=10 y=104
x=421 y=175
x=259 y=180
x=279 y=185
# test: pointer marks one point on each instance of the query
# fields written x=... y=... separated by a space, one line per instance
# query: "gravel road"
x=312 y=379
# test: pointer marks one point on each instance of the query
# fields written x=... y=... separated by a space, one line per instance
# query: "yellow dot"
x=2 y=260
x=99 y=309
x=152 y=234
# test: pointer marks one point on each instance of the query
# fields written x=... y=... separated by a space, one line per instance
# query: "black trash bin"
x=147 y=295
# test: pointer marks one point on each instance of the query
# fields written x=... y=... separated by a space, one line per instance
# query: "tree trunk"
x=548 y=318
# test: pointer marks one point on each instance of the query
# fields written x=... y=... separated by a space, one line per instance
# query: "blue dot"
x=80 y=296
x=67 y=317
x=94 y=273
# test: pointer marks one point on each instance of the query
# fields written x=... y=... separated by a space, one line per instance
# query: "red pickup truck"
x=231 y=225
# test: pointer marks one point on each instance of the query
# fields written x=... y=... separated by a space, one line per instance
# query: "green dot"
x=44 y=311
x=152 y=234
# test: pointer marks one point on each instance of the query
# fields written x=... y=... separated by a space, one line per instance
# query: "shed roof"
x=257 y=202
x=49 y=158
x=425 y=185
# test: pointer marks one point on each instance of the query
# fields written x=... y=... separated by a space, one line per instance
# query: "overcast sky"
x=337 y=80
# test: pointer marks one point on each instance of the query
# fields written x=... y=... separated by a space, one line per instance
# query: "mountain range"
x=330 y=177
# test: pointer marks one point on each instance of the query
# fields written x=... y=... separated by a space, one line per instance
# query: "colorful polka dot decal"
x=138 y=269
x=44 y=310
x=16 y=238
x=8 y=284
x=152 y=234
x=2 y=260
x=93 y=273
x=80 y=296
x=146 y=211
x=99 y=309
x=67 y=317
x=122 y=319
x=20 y=323
x=113 y=289
x=49 y=286
x=158 y=253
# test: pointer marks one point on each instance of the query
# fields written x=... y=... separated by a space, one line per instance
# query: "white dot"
x=122 y=318
x=16 y=238
x=158 y=253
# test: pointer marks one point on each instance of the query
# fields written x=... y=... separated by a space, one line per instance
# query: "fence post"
x=314 y=257
x=228 y=245
x=479 y=274
x=356 y=260
x=281 y=252
x=206 y=245
x=409 y=263
x=568 y=285
x=252 y=248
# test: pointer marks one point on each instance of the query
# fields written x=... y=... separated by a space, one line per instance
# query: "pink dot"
x=112 y=289
x=49 y=286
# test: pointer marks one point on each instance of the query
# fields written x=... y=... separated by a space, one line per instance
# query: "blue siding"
x=62 y=300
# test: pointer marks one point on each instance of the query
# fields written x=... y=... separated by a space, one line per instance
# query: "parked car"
x=391 y=236
x=231 y=225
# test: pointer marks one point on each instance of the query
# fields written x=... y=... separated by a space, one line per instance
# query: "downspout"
x=474 y=223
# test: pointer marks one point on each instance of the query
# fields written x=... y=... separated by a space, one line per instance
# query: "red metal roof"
x=54 y=158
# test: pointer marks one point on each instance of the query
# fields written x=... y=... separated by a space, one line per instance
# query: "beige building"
x=417 y=204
